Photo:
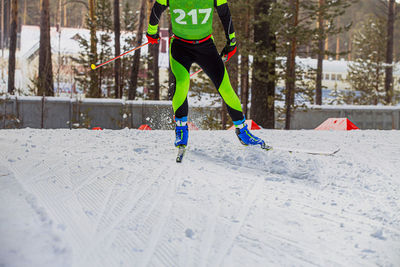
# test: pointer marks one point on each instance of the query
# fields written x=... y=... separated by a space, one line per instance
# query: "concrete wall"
x=53 y=113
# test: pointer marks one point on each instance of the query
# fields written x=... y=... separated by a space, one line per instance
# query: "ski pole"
x=93 y=66
x=194 y=73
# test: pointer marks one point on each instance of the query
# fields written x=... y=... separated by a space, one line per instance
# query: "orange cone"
x=337 y=124
x=144 y=127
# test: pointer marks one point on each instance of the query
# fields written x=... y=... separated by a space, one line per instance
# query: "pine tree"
x=133 y=81
x=245 y=46
x=293 y=25
x=105 y=26
x=366 y=73
x=97 y=49
x=263 y=86
x=117 y=49
x=305 y=85
x=290 y=80
x=128 y=25
x=82 y=75
x=46 y=85
x=91 y=22
x=338 y=98
x=325 y=13
x=389 y=51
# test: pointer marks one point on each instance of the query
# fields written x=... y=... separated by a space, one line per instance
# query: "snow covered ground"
x=117 y=198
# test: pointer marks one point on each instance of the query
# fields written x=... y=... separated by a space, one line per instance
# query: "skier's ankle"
x=240 y=124
x=181 y=121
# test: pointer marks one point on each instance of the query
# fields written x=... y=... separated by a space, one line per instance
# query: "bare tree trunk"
x=136 y=57
x=153 y=67
x=389 y=52
x=244 y=67
x=350 y=47
x=94 y=90
x=338 y=47
x=155 y=48
x=117 y=66
x=321 y=52
x=233 y=71
x=58 y=26
x=244 y=83
x=224 y=115
x=153 y=64
x=83 y=15
x=338 y=43
x=270 y=116
x=46 y=85
x=376 y=86
x=25 y=11
x=6 y=22
x=2 y=18
x=65 y=16
x=326 y=46
x=263 y=85
x=13 y=47
x=291 y=71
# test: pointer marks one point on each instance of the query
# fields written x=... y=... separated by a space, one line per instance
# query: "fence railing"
x=59 y=112
x=63 y=112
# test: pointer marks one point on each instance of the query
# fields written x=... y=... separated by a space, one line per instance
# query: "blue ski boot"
x=181 y=131
x=247 y=138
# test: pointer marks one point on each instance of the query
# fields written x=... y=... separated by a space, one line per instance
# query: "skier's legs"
x=180 y=61
x=210 y=61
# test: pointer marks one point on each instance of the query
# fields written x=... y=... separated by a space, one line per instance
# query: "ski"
x=181 y=153
x=310 y=152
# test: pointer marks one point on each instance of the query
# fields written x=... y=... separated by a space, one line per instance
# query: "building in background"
x=335 y=74
x=64 y=46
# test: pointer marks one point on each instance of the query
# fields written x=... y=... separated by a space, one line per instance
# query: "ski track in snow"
x=117 y=198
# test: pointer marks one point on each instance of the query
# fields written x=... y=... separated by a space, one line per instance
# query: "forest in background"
x=73 y=14
x=270 y=30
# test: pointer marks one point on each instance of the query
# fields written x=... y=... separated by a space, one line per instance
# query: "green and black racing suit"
x=193 y=43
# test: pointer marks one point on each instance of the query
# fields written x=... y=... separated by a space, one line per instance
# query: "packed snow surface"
x=117 y=198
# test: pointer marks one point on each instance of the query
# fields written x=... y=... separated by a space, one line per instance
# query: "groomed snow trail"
x=117 y=198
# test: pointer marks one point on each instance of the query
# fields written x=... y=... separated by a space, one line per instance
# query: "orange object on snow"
x=144 y=127
x=252 y=125
x=97 y=128
x=337 y=124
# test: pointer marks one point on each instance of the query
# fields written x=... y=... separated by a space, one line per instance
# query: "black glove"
x=229 y=49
